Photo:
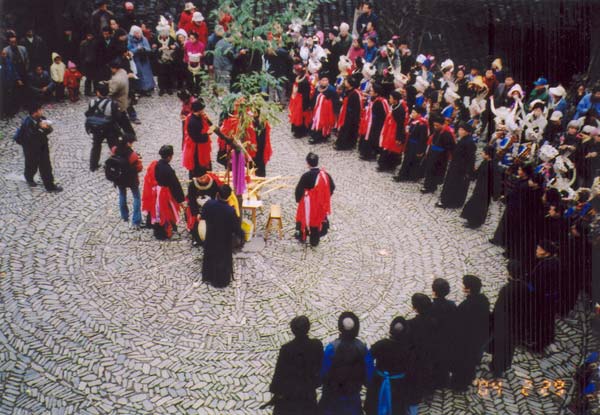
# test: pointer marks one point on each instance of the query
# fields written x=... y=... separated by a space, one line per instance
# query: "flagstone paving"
x=96 y=318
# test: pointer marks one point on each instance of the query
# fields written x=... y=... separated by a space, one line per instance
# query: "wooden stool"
x=251 y=206
x=274 y=216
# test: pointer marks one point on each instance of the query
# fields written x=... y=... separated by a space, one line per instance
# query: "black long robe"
x=476 y=209
x=369 y=146
x=395 y=356
x=456 y=184
x=296 y=377
x=437 y=158
x=221 y=224
x=543 y=283
x=510 y=308
x=348 y=132
x=470 y=337
x=417 y=144
x=421 y=329
x=443 y=314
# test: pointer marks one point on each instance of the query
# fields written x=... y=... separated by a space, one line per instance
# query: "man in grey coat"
x=118 y=87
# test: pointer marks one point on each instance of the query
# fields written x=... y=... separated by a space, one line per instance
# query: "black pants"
x=97 y=149
x=38 y=159
x=124 y=123
x=165 y=82
x=9 y=106
x=59 y=91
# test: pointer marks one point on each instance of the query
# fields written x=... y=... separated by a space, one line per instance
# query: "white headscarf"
x=135 y=29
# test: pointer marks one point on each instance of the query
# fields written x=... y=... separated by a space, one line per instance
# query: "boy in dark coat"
x=476 y=209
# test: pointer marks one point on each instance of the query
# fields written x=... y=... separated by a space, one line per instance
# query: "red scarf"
x=390 y=129
x=324 y=118
x=200 y=150
x=369 y=120
x=342 y=117
x=315 y=205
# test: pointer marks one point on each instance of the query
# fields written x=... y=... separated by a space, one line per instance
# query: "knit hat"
x=189 y=6
x=71 y=65
x=516 y=88
x=541 y=82
x=537 y=103
x=197 y=17
x=573 y=124
x=447 y=65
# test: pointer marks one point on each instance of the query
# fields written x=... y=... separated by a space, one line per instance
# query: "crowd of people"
x=416 y=117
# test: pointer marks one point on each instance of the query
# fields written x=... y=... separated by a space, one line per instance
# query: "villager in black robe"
x=394 y=359
x=348 y=129
x=476 y=209
x=436 y=160
x=577 y=267
x=199 y=191
x=507 y=320
x=470 y=338
x=369 y=147
x=415 y=149
x=296 y=375
x=443 y=314
x=221 y=224
x=543 y=287
x=421 y=329
x=456 y=184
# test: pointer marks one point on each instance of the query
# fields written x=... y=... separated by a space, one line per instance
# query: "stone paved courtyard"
x=96 y=318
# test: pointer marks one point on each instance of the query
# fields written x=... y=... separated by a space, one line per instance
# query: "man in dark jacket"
x=87 y=59
x=347 y=366
x=456 y=184
x=10 y=81
x=103 y=106
x=101 y=17
x=36 y=50
x=105 y=52
x=33 y=137
x=40 y=84
x=471 y=333
x=296 y=374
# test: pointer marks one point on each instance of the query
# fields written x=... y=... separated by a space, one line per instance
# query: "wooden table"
x=252 y=206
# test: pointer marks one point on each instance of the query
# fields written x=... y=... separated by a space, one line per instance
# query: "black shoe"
x=425 y=191
x=96 y=167
x=440 y=205
x=31 y=183
x=54 y=189
x=494 y=242
x=470 y=226
x=136 y=121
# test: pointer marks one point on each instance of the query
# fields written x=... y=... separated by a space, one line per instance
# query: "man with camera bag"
x=33 y=137
x=101 y=122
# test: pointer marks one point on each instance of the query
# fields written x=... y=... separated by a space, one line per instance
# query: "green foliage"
x=253 y=20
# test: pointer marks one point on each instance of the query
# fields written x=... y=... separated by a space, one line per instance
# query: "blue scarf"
x=385 y=393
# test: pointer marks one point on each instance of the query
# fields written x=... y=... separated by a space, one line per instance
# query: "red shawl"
x=201 y=150
x=296 y=115
x=251 y=137
x=157 y=201
x=315 y=205
x=389 y=133
x=344 y=110
x=369 y=116
x=324 y=117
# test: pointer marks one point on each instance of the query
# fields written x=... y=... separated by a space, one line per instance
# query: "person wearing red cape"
x=323 y=115
x=313 y=195
x=162 y=195
x=393 y=136
x=299 y=110
x=350 y=114
x=377 y=112
x=196 y=142
x=414 y=150
x=259 y=136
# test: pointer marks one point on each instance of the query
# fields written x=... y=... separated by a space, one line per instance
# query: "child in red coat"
x=71 y=80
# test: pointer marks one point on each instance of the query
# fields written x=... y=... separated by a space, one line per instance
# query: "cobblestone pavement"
x=96 y=318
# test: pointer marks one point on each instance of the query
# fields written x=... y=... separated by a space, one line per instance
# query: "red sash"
x=201 y=150
x=315 y=205
x=324 y=118
x=344 y=110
